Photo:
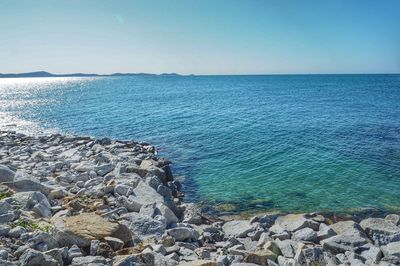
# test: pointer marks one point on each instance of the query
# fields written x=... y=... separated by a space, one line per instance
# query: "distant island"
x=44 y=74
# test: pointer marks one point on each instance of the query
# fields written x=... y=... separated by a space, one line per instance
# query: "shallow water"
x=288 y=143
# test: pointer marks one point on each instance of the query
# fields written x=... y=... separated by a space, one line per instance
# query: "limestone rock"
x=183 y=233
x=83 y=228
x=199 y=263
x=238 y=228
x=342 y=243
x=294 y=222
x=305 y=234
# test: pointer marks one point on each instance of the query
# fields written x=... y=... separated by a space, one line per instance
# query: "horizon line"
x=39 y=74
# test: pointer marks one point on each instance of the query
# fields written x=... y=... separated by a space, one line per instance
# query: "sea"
x=287 y=143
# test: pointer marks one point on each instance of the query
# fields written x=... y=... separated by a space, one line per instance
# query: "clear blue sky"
x=200 y=36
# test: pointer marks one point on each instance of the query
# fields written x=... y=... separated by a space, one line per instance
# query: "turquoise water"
x=292 y=143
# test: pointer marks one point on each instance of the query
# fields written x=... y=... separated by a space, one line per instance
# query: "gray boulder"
x=342 y=243
x=90 y=260
x=381 y=231
x=145 y=194
x=391 y=250
x=238 y=228
x=183 y=234
x=348 y=228
x=33 y=201
x=305 y=234
x=294 y=222
x=6 y=174
x=393 y=218
x=143 y=226
x=33 y=257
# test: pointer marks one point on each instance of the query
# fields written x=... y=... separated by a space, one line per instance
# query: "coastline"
x=70 y=200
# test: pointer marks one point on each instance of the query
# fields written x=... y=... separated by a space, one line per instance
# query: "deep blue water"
x=292 y=143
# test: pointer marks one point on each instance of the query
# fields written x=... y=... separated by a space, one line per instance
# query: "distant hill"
x=44 y=74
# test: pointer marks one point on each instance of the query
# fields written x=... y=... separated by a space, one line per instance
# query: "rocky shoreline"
x=69 y=200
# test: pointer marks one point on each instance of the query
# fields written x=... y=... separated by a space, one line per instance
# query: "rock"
x=391 y=250
x=155 y=209
x=94 y=244
x=324 y=232
x=4 y=229
x=192 y=214
x=183 y=234
x=238 y=228
x=115 y=243
x=23 y=183
x=33 y=257
x=123 y=190
x=4 y=255
x=58 y=193
x=42 y=240
x=393 y=218
x=144 y=194
x=160 y=249
x=57 y=254
x=16 y=232
x=143 y=226
x=105 y=250
x=199 y=263
x=313 y=256
x=83 y=228
x=128 y=260
x=33 y=201
x=294 y=222
x=74 y=252
x=286 y=248
x=348 y=228
x=260 y=257
x=305 y=234
x=85 y=166
x=6 y=212
x=370 y=253
x=90 y=261
x=342 y=243
x=6 y=174
x=379 y=226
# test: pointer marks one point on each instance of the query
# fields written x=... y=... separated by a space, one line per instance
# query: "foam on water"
x=293 y=143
